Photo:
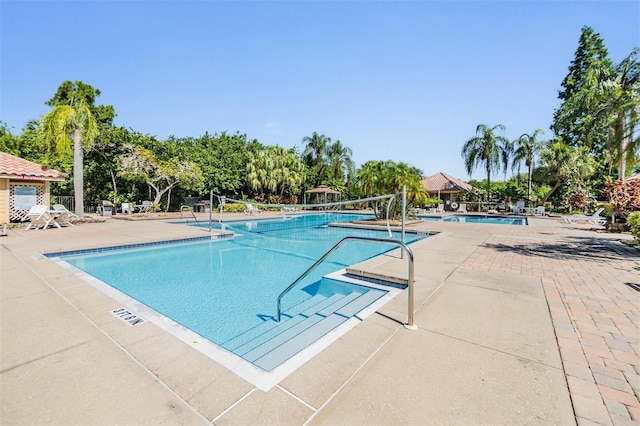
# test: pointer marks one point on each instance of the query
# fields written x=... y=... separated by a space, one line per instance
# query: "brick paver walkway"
x=592 y=287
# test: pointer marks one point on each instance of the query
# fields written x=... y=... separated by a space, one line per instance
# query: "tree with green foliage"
x=489 y=149
x=142 y=165
x=572 y=120
x=71 y=124
x=222 y=159
x=314 y=155
x=340 y=164
x=567 y=165
x=8 y=141
x=612 y=101
x=388 y=177
x=275 y=170
x=526 y=148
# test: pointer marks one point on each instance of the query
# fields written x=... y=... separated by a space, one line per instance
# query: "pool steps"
x=271 y=343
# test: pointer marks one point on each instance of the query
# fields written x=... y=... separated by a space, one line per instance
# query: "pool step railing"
x=410 y=274
x=272 y=343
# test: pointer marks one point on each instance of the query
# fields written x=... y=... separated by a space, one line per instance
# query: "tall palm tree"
x=527 y=148
x=489 y=149
x=340 y=162
x=68 y=127
x=315 y=153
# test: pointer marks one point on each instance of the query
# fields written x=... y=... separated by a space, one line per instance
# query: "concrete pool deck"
x=516 y=324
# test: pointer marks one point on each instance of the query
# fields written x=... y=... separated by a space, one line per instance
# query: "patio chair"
x=595 y=218
x=250 y=210
x=39 y=217
x=62 y=215
x=144 y=207
x=462 y=208
x=519 y=207
x=539 y=211
x=440 y=208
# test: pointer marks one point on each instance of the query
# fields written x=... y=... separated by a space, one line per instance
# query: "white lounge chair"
x=595 y=218
x=440 y=208
x=539 y=211
x=462 y=208
x=39 y=217
x=62 y=215
x=519 y=207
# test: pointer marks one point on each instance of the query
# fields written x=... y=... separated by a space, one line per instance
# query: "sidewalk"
x=516 y=324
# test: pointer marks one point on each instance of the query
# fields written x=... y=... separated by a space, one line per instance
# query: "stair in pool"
x=272 y=343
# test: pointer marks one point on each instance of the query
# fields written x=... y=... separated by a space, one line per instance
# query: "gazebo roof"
x=444 y=183
x=13 y=167
x=322 y=189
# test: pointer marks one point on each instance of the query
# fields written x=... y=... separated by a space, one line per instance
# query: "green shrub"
x=633 y=220
x=234 y=207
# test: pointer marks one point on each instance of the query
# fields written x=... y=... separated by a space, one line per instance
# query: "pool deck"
x=535 y=324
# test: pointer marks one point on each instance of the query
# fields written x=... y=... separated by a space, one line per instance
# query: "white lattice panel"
x=15 y=214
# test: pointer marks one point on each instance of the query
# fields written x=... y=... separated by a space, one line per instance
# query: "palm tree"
x=567 y=164
x=528 y=147
x=340 y=162
x=625 y=104
x=489 y=149
x=612 y=99
x=314 y=154
x=67 y=126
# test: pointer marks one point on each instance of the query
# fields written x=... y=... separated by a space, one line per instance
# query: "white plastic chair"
x=39 y=217
x=62 y=215
x=250 y=210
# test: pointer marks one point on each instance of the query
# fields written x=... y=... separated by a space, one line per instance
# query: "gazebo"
x=322 y=195
x=445 y=187
x=23 y=184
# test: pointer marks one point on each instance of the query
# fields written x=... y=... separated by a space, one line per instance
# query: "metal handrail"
x=409 y=324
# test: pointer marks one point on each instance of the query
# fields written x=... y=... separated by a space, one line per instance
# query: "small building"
x=322 y=195
x=24 y=184
x=446 y=188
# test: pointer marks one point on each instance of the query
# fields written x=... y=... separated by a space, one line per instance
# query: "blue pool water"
x=223 y=288
x=496 y=220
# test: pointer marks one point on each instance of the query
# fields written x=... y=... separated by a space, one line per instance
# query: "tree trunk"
x=78 y=172
x=529 y=183
x=555 y=187
x=488 y=181
x=622 y=150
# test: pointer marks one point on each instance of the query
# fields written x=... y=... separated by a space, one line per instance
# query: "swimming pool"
x=495 y=220
x=226 y=290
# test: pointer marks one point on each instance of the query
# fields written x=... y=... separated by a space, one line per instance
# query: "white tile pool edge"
x=261 y=379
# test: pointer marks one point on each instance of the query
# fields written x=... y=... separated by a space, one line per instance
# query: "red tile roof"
x=444 y=183
x=18 y=168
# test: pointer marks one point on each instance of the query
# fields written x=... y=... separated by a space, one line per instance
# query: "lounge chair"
x=462 y=208
x=62 y=215
x=250 y=210
x=440 y=208
x=519 y=208
x=39 y=217
x=539 y=211
x=594 y=219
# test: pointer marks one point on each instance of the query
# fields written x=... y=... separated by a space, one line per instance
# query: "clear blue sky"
x=404 y=81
